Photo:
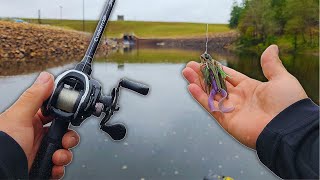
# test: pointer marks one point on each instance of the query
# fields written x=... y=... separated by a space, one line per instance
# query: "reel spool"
x=67 y=100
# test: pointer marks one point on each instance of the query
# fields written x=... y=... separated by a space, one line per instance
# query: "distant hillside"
x=142 y=29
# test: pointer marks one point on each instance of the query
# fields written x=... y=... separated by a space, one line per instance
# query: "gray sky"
x=210 y=11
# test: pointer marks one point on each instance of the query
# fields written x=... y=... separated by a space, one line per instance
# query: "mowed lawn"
x=142 y=29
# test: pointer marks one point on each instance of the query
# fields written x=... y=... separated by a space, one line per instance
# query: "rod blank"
x=99 y=32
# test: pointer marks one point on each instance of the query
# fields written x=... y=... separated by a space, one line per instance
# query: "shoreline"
x=38 y=47
x=26 y=48
x=217 y=41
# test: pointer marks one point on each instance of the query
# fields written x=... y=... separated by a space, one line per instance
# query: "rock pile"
x=30 y=47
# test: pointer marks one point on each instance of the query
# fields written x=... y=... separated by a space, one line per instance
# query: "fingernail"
x=73 y=140
x=43 y=78
x=63 y=158
x=276 y=49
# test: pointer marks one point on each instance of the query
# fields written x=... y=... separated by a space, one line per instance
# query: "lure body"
x=214 y=79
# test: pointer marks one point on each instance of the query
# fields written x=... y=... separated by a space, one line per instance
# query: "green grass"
x=142 y=29
x=154 y=56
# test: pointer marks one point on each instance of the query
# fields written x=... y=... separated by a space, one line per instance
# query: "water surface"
x=170 y=136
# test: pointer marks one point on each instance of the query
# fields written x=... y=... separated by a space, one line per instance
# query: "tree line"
x=290 y=23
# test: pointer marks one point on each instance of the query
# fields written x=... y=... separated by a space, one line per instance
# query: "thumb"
x=32 y=99
x=271 y=64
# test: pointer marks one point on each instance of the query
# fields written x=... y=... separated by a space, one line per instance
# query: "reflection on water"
x=169 y=135
x=304 y=67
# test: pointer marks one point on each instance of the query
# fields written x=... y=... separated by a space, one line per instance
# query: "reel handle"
x=135 y=86
x=117 y=131
x=42 y=165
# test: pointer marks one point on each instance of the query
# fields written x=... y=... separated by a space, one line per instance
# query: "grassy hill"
x=142 y=29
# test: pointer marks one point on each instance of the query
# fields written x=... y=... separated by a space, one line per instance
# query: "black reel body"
x=72 y=96
x=77 y=97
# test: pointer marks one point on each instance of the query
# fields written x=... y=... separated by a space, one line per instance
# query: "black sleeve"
x=289 y=145
x=13 y=161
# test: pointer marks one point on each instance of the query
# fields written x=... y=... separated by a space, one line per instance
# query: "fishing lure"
x=214 y=79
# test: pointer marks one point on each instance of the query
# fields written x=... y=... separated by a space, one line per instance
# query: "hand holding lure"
x=215 y=81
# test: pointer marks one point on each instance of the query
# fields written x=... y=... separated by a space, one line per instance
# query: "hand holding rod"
x=42 y=165
x=86 y=91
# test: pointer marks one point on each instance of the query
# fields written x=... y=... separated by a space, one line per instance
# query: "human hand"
x=24 y=123
x=256 y=103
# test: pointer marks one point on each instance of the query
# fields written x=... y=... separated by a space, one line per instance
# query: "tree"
x=303 y=18
x=257 y=21
x=235 y=15
x=262 y=22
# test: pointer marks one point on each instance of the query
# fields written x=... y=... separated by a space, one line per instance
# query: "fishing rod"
x=76 y=97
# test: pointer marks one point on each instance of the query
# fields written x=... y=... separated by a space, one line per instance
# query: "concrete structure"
x=120 y=17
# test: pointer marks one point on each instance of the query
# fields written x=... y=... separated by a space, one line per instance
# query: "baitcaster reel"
x=76 y=97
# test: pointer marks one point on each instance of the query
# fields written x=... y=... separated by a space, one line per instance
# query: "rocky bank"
x=29 y=47
x=216 y=42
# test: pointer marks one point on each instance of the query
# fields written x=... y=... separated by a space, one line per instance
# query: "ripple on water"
x=185 y=150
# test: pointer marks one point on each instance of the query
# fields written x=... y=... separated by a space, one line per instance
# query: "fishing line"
x=207 y=35
x=214 y=78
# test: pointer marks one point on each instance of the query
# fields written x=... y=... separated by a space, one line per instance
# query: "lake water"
x=169 y=135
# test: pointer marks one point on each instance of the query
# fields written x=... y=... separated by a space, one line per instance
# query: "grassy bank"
x=142 y=29
x=153 y=56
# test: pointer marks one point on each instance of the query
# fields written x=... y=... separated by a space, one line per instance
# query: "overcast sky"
x=209 y=11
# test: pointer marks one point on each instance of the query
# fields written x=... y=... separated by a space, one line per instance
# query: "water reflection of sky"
x=169 y=137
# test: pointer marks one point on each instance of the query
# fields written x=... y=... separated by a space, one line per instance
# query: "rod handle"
x=42 y=165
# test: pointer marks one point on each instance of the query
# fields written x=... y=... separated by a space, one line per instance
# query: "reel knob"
x=117 y=131
x=99 y=107
x=134 y=86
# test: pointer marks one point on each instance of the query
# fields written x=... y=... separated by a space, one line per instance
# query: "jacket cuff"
x=13 y=160
x=297 y=116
